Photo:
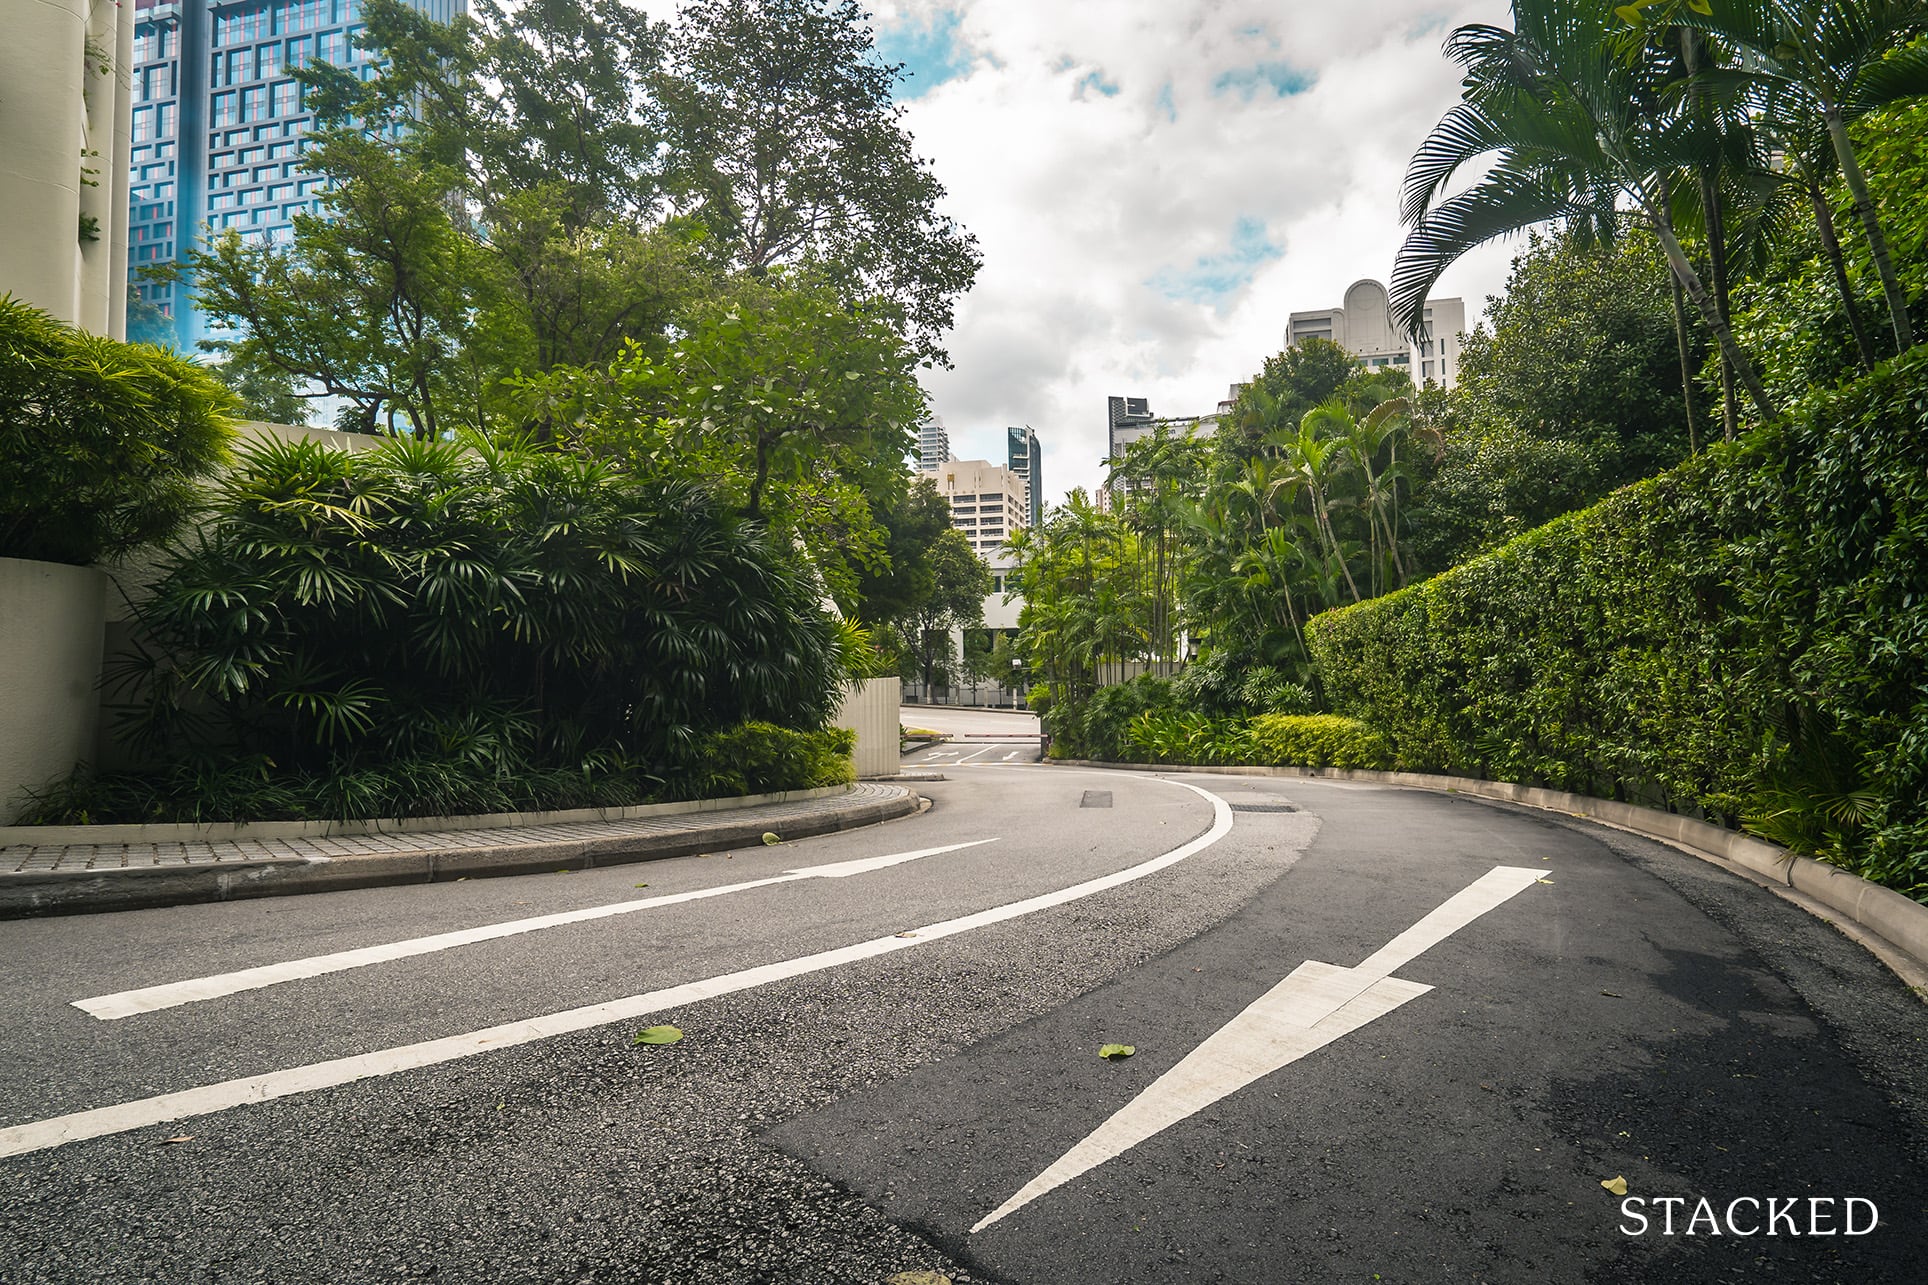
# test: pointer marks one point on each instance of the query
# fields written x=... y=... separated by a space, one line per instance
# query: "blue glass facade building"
x=218 y=128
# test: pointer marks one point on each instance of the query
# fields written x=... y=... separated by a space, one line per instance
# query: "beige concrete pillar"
x=55 y=105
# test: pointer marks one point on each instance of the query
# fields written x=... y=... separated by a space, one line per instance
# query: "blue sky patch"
x=1096 y=82
x=929 y=50
x=1166 y=103
x=1215 y=277
x=1281 y=78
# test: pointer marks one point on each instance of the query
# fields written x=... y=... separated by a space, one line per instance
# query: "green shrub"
x=1185 y=736
x=762 y=758
x=1097 y=727
x=101 y=442
x=1745 y=637
x=431 y=626
x=1315 y=740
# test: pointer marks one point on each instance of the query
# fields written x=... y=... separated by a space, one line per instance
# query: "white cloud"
x=1102 y=215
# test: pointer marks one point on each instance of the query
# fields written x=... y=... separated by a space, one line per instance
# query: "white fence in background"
x=871 y=709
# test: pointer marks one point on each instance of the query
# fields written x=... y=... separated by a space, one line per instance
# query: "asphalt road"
x=1570 y=1005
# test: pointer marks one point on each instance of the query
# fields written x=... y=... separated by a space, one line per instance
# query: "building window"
x=225 y=108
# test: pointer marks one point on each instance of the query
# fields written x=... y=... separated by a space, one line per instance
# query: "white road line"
x=1315 y=1005
x=980 y=754
x=149 y=998
x=41 y=1134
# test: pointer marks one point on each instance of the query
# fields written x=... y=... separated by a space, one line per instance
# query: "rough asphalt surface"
x=1641 y=1015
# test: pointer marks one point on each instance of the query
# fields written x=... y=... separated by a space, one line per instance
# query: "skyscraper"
x=1025 y=458
x=218 y=126
x=933 y=443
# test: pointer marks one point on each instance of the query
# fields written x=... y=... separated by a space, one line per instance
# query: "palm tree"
x=1829 y=62
x=1574 y=128
x=1311 y=460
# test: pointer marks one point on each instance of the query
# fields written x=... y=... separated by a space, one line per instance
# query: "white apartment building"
x=988 y=503
x=933 y=443
x=1364 y=328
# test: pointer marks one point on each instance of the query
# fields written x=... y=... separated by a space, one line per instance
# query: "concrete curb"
x=56 y=892
x=35 y=836
x=1899 y=921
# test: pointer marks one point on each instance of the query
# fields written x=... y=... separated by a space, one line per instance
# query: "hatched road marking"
x=122 y=1117
x=1315 y=1005
x=149 y=998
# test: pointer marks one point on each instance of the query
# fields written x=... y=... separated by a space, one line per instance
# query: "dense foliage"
x=448 y=626
x=101 y=442
x=1745 y=637
x=1570 y=386
x=540 y=186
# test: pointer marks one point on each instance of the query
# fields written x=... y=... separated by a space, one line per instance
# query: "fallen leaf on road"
x=919 y=1278
x=1114 y=1052
x=1545 y=881
x=906 y=934
x=769 y=837
x=658 y=1035
x=1617 y=1185
x=1613 y=994
x=642 y=885
x=185 y=1137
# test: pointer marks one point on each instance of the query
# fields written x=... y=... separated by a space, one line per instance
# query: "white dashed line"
x=41 y=1134
x=149 y=998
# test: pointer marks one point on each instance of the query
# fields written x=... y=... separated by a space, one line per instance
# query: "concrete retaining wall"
x=50 y=648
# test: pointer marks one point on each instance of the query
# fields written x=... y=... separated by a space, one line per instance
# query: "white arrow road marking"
x=1315 y=1005
x=149 y=998
x=41 y=1134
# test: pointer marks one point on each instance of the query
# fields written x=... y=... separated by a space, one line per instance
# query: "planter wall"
x=51 y=621
x=872 y=710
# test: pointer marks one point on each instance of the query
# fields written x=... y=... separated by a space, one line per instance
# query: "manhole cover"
x=1254 y=801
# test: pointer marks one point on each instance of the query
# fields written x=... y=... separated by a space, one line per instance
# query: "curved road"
x=1380 y=1035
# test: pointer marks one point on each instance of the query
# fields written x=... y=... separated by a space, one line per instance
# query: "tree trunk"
x=1831 y=247
x=1716 y=225
x=1871 y=223
x=1717 y=261
x=1684 y=271
x=1686 y=366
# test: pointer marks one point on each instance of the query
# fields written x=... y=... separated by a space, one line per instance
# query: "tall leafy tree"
x=959 y=582
x=787 y=147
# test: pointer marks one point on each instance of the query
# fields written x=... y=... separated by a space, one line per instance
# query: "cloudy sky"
x=1155 y=185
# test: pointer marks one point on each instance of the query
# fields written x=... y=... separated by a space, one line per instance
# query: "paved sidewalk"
x=79 y=877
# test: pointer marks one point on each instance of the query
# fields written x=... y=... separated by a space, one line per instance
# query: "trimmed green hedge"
x=1745 y=638
x=762 y=758
x=1315 y=740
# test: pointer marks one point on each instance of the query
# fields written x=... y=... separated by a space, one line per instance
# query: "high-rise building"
x=1127 y=419
x=1024 y=457
x=1364 y=328
x=933 y=443
x=218 y=126
x=987 y=502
